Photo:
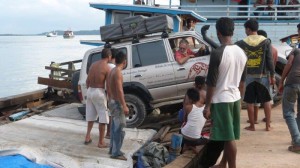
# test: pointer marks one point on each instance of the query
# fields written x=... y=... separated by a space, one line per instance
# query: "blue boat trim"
x=92 y=42
x=149 y=9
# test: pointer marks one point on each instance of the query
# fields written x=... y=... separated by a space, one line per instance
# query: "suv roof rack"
x=135 y=27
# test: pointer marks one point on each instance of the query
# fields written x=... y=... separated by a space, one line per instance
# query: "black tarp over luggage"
x=136 y=26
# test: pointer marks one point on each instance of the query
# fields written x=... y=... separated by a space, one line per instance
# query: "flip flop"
x=121 y=157
x=88 y=142
x=295 y=149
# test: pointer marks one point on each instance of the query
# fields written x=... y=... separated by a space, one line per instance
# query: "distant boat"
x=68 y=34
x=52 y=34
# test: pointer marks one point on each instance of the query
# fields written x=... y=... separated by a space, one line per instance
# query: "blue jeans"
x=117 y=124
x=291 y=93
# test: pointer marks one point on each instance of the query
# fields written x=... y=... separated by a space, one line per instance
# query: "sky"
x=38 y=16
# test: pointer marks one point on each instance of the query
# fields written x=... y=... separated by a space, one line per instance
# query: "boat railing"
x=243 y=12
x=61 y=74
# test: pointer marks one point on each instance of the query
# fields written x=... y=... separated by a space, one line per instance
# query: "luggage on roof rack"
x=136 y=26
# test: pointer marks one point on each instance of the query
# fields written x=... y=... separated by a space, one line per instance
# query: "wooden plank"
x=161 y=133
x=168 y=137
x=55 y=83
x=69 y=71
x=61 y=77
x=42 y=107
x=68 y=62
x=187 y=159
x=21 y=98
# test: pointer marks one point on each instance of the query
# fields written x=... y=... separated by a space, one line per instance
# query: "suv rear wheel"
x=137 y=111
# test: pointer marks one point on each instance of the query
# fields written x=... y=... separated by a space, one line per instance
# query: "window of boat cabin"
x=143 y=14
x=195 y=45
x=97 y=56
x=149 y=53
x=119 y=16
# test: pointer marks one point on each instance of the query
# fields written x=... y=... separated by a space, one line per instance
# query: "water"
x=23 y=59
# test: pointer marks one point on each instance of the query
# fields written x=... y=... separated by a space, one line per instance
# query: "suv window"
x=92 y=58
x=97 y=56
x=194 y=44
x=149 y=54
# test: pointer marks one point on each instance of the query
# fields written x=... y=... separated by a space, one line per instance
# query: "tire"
x=137 y=111
x=75 y=80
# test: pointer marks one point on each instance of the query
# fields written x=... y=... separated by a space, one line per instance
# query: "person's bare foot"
x=269 y=128
x=103 y=145
x=255 y=122
x=249 y=128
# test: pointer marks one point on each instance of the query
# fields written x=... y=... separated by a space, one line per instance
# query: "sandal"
x=88 y=142
x=294 y=148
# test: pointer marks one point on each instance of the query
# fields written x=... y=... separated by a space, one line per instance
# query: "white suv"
x=152 y=77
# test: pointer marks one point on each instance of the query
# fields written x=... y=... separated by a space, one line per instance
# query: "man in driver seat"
x=184 y=53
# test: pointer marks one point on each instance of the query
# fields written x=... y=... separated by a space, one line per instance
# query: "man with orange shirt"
x=184 y=53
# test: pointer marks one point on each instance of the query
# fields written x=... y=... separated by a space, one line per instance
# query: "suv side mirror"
x=164 y=34
x=137 y=65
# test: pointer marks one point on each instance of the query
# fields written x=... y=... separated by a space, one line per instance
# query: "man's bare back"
x=202 y=94
x=97 y=74
x=115 y=79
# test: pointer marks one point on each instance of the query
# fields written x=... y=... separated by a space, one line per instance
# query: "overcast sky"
x=37 y=16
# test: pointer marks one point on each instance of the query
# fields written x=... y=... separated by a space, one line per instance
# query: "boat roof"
x=151 y=9
x=284 y=39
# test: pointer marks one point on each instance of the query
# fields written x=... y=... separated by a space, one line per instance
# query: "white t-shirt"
x=195 y=123
x=226 y=70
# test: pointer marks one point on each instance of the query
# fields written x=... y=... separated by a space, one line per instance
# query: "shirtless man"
x=200 y=85
x=118 y=107
x=111 y=65
x=96 y=104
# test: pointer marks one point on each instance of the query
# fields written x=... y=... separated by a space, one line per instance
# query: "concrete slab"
x=66 y=111
x=59 y=141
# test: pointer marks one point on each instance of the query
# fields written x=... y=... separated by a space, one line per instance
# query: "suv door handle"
x=137 y=76
x=181 y=68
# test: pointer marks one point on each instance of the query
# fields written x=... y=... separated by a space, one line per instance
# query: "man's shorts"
x=96 y=105
x=225 y=118
x=257 y=91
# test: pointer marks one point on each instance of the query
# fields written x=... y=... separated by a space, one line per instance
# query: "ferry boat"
x=68 y=34
x=52 y=34
x=278 y=20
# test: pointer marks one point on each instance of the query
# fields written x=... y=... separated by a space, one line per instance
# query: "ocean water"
x=23 y=59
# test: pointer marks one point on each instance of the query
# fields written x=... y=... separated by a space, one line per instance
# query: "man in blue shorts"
x=225 y=80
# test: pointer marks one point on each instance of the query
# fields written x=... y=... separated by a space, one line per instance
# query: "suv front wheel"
x=137 y=111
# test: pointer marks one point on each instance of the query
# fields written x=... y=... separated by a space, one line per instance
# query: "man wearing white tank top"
x=191 y=131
